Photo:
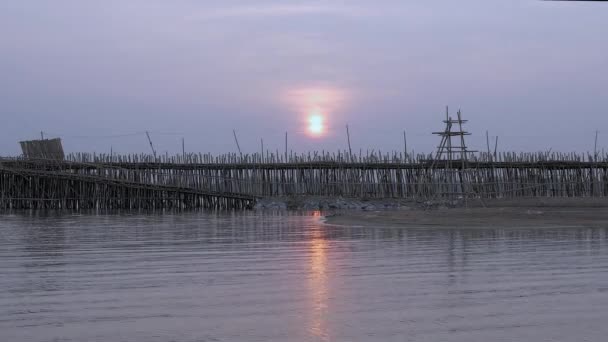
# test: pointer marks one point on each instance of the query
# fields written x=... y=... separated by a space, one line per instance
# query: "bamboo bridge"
x=234 y=181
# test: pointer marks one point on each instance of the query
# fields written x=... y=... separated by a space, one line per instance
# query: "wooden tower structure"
x=449 y=149
x=452 y=155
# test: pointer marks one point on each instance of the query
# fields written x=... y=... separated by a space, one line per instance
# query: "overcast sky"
x=100 y=73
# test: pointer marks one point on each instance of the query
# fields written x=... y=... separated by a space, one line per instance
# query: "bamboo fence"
x=234 y=181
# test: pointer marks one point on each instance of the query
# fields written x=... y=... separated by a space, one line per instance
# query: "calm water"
x=254 y=277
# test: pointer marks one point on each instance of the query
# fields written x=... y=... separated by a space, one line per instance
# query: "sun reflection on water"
x=318 y=284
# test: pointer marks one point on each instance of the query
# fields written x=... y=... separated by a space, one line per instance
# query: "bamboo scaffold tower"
x=454 y=154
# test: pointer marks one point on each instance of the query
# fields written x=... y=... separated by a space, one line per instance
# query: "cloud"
x=276 y=10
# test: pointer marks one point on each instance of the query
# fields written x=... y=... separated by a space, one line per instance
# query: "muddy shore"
x=515 y=213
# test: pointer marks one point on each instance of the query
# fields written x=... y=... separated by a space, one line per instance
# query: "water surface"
x=288 y=277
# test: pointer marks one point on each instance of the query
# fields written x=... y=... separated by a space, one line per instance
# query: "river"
x=248 y=276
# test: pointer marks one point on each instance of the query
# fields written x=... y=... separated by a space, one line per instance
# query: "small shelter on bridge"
x=43 y=149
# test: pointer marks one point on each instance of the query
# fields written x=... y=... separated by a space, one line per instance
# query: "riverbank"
x=527 y=212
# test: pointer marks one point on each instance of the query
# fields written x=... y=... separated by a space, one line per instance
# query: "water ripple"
x=287 y=277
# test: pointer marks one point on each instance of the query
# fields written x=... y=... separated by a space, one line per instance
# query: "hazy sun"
x=317 y=107
x=315 y=123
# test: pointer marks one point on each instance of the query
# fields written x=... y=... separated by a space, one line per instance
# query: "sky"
x=99 y=74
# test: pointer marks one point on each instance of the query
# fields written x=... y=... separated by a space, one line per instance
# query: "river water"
x=288 y=277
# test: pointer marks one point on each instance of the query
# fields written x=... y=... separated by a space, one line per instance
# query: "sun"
x=315 y=123
x=316 y=108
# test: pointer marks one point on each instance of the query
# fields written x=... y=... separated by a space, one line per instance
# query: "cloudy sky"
x=100 y=73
